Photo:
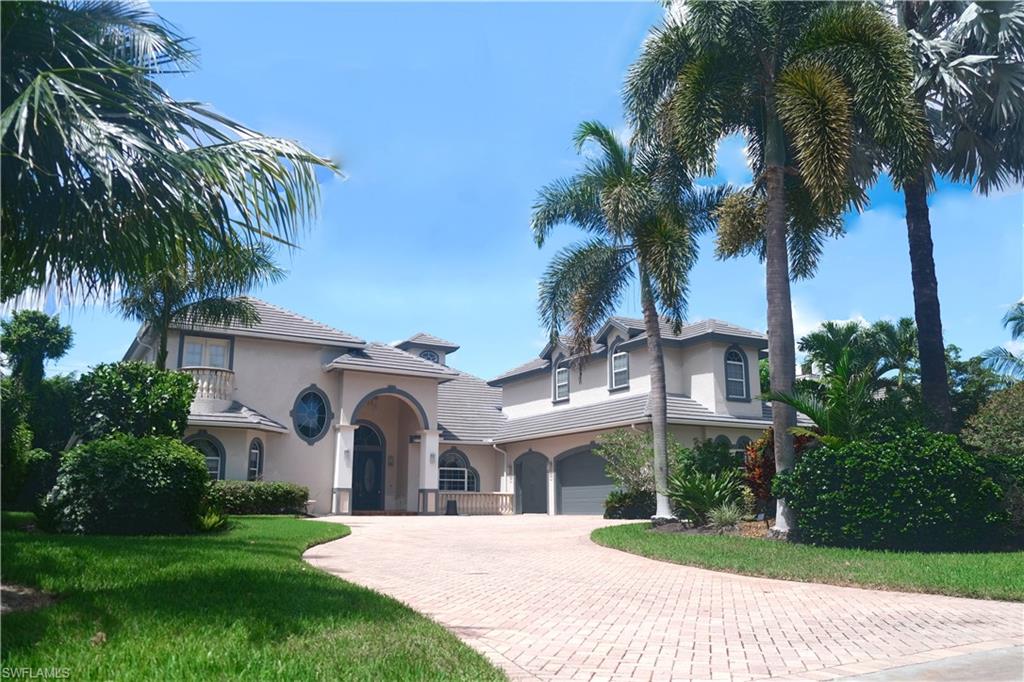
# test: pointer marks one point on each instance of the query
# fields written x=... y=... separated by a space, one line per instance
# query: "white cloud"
x=1015 y=346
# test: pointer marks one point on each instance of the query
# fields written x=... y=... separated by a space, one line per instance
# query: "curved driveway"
x=541 y=601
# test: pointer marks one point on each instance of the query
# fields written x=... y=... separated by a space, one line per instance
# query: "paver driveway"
x=540 y=600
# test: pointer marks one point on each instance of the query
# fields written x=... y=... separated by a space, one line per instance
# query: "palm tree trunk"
x=930 y=347
x=658 y=402
x=161 y=353
x=781 y=345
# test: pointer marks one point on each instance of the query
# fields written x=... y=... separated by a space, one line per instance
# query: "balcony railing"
x=479 y=504
x=212 y=383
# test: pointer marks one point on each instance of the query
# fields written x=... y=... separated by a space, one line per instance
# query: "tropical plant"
x=695 y=493
x=818 y=90
x=134 y=398
x=644 y=216
x=30 y=338
x=1002 y=359
x=824 y=346
x=972 y=382
x=205 y=289
x=102 y=167
x=628 y=456
x=726 y=515
x=970 y=83
x=623 y=504
x=896 y=345
x=998 y=427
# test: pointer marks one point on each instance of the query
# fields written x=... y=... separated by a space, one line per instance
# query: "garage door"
x=583 y=485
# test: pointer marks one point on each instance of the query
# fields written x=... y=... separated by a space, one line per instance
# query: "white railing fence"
x=212 y=383
x=479 y=504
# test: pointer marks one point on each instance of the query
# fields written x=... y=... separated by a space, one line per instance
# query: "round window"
x=311 y=415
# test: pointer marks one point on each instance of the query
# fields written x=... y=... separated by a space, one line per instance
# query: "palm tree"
x=819 y=90
x=826 y=345
x=102 y=167
x=969 y=57
x=896 y=346
x=644 y=217
x=1001 y=359
x=205 y=288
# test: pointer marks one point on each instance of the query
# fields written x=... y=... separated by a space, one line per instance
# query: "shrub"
x=258 y=497
x=134 y=398
x=696 y=493
x=50 y=416
x=759 y=465
x=123 y=485
x=998 y=427
x=911 y=490
x=37 y=471
x=726 y=515
x=638 y=504
x=15 y=437
x=708 y=457
x=629 y=459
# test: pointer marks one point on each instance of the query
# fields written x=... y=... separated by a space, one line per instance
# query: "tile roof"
x=618 y=412
x=428 y=340
x=278 y=323
x=236 y=415
x=384 y=358
x=468 y=409
x=525 y=368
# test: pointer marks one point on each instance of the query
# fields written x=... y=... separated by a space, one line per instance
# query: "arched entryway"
x=368 y=468
x=581 y=484
x=531 y=471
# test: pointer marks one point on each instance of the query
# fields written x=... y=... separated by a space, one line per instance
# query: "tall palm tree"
x=102 y=167
x=206 y=287
x=1002 y=359
x=970 y=83
x=818 y=90
x=644 y=217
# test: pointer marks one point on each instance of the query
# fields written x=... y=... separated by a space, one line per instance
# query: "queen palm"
x=970 y=82
x=205 y=286
x=644 y=217
x=102 y=167
x=1002 y=359
x=818 y=90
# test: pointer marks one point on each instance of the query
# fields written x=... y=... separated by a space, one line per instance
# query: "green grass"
x=987 y=575
x=229 y=605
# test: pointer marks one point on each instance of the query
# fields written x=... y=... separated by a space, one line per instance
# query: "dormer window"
x=561 y=391
x=202 y=351
x=430 y=355
x=619 y=368
x=736 y=375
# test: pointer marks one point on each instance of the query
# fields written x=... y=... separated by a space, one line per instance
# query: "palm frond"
x=575 y=200
x=1004 y=361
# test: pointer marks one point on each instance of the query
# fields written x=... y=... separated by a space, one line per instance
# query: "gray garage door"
x=582 y=485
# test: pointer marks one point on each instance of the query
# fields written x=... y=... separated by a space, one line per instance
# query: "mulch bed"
x=747 y=529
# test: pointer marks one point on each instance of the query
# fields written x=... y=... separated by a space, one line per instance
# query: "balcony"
x=215 y=387
x=479 y=504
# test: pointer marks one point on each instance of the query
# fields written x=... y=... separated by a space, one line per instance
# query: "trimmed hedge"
x=123 y=485
x=638 y=504
x=912 y=489
x=258 y=497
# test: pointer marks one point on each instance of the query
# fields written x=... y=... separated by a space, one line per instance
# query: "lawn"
x=235 y=604
x=987 y=575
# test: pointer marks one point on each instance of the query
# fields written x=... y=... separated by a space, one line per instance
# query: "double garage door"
x=581 y=485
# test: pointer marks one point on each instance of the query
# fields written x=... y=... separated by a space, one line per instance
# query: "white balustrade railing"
x=212 y=383
x=479 y=504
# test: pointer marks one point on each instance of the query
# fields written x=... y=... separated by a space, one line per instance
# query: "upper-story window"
x=619 y=370
x=736 y=375
x=561 y=391
x=201 y=351
x=430 y=355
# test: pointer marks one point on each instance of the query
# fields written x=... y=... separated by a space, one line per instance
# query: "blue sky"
x=448 y=118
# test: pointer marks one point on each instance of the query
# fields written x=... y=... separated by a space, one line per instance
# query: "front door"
x=368 y=480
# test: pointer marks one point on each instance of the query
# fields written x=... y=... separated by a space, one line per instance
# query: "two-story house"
x=371 y=427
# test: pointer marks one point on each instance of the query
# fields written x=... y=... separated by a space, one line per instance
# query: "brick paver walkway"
x=541 y=601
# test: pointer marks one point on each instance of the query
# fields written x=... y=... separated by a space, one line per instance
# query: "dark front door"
x=368 y=480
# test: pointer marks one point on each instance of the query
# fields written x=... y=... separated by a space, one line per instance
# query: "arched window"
x=741 y=448
x=430 y=355
x=618 y=367
x=455 y=473
x=736 y=374
x=311 y=414
x=560 y=391
x=212 y=450
x=255 y=471
x=722 y=439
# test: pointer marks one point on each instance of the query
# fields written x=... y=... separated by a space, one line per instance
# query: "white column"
x=344 y=446
x=428 y=474
x=551 y=488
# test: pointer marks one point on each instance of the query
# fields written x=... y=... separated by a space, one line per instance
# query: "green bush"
x=37 y=471
x=998 y=427
x=258 y=497
x=630 y=505
x=134 y=398
x=629 y=458
x=123 y=485
x=694 y=493
x=727 y=515
x=50 y=417
x=707 y=457
x=911 y=490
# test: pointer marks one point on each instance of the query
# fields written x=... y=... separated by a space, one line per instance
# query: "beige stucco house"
x=372 y=427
